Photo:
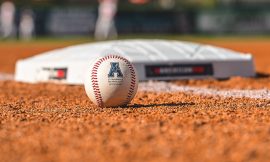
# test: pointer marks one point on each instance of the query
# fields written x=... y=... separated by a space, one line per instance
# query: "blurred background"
x=107 y=19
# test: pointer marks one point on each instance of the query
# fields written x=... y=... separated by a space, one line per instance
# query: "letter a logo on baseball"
x=115 y=69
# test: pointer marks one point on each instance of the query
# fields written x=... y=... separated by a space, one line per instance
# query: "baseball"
x=111 y=81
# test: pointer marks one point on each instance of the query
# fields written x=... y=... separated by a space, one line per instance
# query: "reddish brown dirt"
x=48 y=122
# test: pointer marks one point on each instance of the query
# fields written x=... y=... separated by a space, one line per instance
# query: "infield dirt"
x=50 y=122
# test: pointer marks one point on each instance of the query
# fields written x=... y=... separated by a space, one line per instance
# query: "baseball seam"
x=95 y=85
x=132 y=82
x=94 y=79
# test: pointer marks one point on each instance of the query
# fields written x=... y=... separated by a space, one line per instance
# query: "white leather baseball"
x=111 y=81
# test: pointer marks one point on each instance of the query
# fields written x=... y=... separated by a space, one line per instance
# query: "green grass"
x=193 y=38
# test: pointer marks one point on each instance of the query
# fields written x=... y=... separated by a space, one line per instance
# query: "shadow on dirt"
x=262 y=75
x=157 y=105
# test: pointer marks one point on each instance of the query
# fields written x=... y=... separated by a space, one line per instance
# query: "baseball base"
x=111 y=81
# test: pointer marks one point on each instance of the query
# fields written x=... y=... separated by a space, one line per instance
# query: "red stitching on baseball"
x=95 y=83
x=133 y=80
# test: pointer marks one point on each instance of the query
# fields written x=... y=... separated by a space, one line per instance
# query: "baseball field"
x=189 y=120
